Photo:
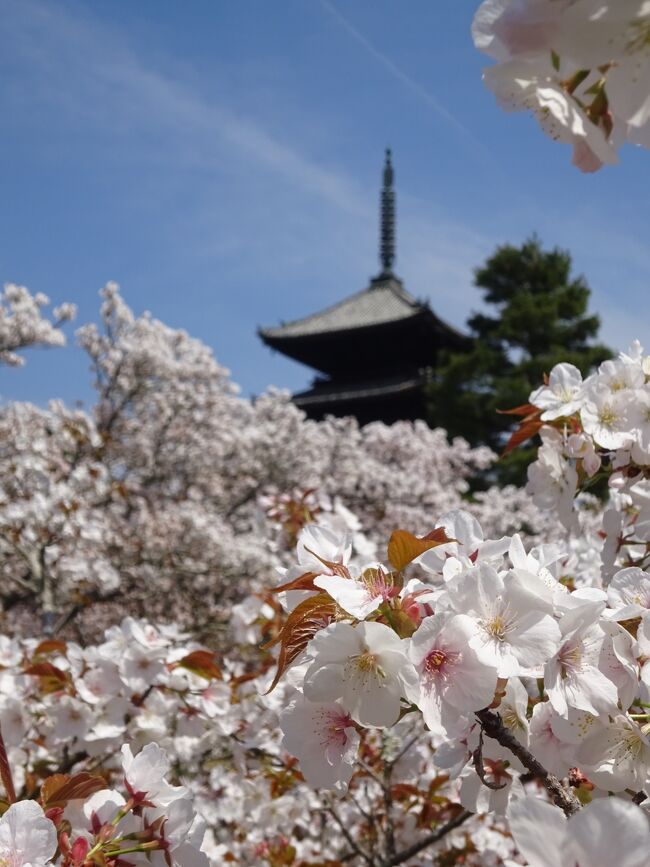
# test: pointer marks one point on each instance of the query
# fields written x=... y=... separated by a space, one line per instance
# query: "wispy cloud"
x=404 y=78
x=105 y=79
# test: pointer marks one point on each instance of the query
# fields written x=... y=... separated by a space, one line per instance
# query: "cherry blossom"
x=324 y=739
x=452 y=679
x=366 y=667
x=592 y=837
x=27 y=836
x=582 y=66
x=22 y=323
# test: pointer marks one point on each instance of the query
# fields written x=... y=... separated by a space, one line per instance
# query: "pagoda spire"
x=387 y=227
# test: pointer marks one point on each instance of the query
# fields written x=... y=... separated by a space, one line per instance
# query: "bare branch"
x=429 y=840
x=350 y=840
x=492 y=725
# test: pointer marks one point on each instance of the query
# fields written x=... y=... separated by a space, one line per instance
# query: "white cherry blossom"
x=564 y=394
x=27 y=837
x=366 y=667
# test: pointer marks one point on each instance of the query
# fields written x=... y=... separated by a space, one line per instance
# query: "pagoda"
x=374 y=351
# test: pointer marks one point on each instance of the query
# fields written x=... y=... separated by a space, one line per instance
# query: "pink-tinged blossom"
x=503 y=28
x=595 y=835
x=643 y=641
x=323 y=738
x=452 y=679
x=532 y=84
x=27 y=837
x=365 y=666
x=359 y=596
x=545 y=744
x=618 y=661
x=584 y=66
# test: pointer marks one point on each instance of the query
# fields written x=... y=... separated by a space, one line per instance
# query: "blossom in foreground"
x=366 y=667
x=552 y=480
x=512 y=631
x=323 y=738
x=629 y=593
x=617 y=755
x=562 y=396
x=582 y=66
x=27 y=836
x=145 y=775
x=359 y=596
x=606 y=832
x=572 y=677
x=452 y=679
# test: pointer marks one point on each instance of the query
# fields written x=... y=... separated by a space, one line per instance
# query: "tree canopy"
x=540 y=318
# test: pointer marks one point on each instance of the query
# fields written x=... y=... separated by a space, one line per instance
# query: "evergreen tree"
x=540 y=319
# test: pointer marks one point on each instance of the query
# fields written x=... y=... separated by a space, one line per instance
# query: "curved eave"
x=419 y=338
x=333 y=395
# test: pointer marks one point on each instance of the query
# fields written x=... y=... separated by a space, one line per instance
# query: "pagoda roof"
x=381 y=331
x=381 y=302
x=384 y=301
x=336 y=392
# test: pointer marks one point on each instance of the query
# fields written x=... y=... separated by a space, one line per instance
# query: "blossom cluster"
x=581 y=66
x=22 y=323
x=80 y=820
x=65 y=711
x=453 y=627
x=597 y=431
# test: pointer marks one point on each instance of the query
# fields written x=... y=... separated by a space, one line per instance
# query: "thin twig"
x=389 y=829
x=492 y=725
x=477 y=761
x=429 y=840
x=407 y=746
x=350 y=840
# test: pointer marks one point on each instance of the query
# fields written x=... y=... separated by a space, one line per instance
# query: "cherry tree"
x=22 y=323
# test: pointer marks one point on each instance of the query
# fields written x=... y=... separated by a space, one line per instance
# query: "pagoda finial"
x=387 y=229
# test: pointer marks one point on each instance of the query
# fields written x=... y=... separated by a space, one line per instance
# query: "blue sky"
x=220 y=159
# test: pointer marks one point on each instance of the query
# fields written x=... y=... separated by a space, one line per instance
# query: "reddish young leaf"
x=302 y=582
x=201 y=663
x=526 y=430
x=404 y=547
x=51 y=678
x=525 y=409
x=49 y=647
x=337 y=568
x=58 y=789
x=306 y=619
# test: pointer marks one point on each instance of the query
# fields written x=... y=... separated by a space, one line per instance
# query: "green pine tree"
x=540 y=318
